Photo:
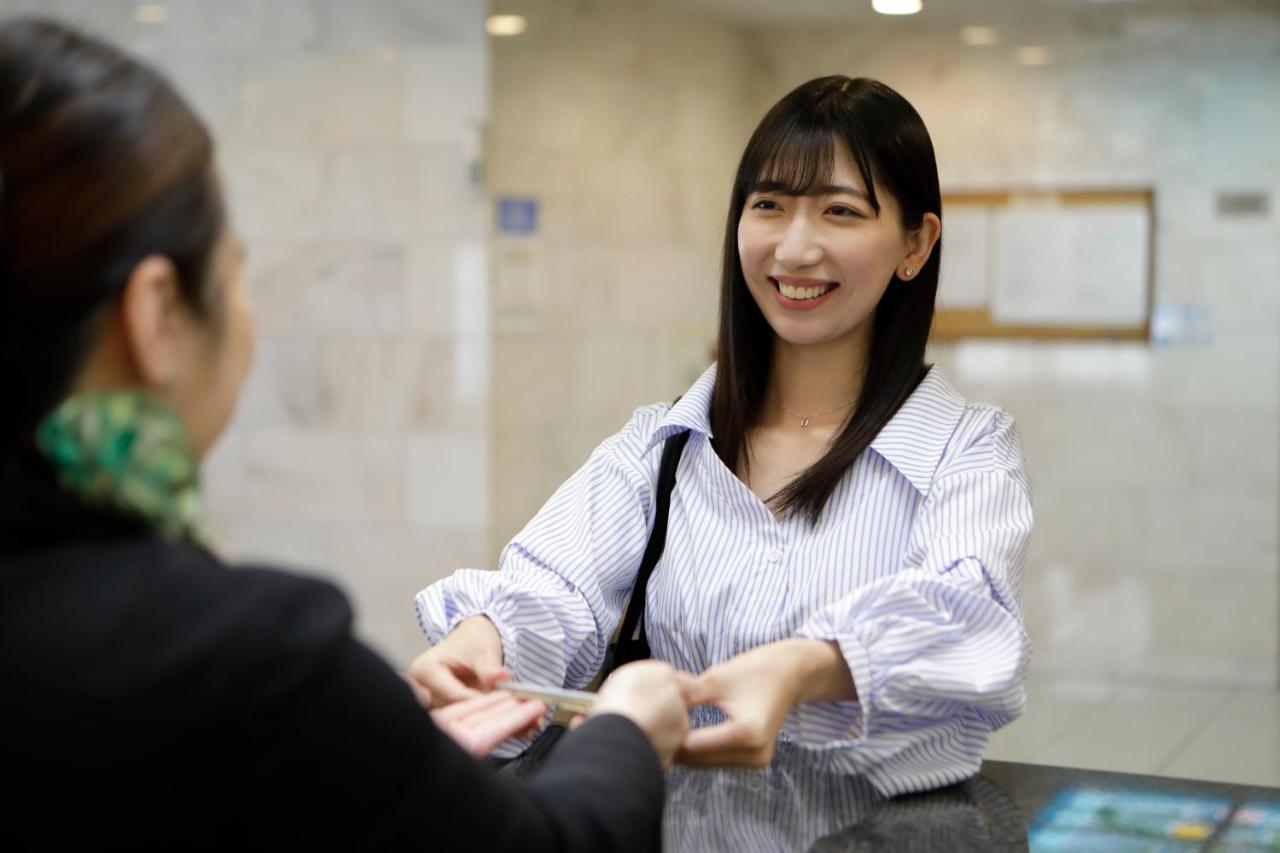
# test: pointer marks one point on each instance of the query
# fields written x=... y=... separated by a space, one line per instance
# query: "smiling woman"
x=808 y=232
x=846 y=535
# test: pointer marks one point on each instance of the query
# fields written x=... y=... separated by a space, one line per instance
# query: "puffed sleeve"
x=937 y=650
x=562 y=582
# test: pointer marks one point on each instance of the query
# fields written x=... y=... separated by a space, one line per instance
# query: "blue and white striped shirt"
x=914 y=569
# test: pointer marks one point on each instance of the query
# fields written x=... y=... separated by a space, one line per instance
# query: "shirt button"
x=773 y=555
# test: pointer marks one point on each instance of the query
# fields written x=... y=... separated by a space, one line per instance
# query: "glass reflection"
x=796 y=805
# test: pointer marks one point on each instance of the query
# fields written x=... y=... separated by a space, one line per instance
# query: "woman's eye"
x=764 y=204
x=842 y=210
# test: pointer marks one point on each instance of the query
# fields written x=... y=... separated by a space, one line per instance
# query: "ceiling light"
x=980 y=36
x=1033 y=55
x=150 y=13
x=897 y=7
x=505 y=25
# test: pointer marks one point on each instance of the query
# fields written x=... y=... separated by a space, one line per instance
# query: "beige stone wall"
x=623 y=120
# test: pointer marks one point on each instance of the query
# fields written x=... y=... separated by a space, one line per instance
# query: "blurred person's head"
x=118 y=270
x=832 y=244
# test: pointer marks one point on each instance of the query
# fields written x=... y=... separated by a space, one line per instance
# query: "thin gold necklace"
x=804 y=419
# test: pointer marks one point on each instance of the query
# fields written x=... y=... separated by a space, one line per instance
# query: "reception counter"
x=793 y=805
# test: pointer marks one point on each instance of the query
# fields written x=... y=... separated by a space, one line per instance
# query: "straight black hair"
x=793 y=150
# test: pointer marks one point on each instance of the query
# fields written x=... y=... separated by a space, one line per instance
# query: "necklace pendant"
x=804 y=422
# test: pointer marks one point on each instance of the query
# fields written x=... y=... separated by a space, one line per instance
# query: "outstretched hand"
x=654 y=696
x=755 y=698
x=465 y=664
x=482 y=722
x=756 y=690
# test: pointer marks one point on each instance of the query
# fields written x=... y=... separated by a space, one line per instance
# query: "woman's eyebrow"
x=836 y=189
x=783 y=188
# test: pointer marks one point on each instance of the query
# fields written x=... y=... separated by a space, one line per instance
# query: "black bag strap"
x=632 y=644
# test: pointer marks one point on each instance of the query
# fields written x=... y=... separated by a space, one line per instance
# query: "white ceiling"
x=942 y=12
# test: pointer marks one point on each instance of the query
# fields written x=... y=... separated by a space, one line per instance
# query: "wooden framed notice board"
x=1046 y=264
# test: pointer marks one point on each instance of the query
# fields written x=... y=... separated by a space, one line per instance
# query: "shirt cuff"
x=835 y=725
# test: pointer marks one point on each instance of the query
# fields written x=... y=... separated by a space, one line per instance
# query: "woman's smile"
x=796 y=293
x=816 y=263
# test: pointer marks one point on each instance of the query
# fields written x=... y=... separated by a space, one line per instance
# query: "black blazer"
x=151 y=697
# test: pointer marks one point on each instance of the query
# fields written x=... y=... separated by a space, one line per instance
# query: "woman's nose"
x=799 y=245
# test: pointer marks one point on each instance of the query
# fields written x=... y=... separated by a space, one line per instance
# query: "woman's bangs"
x=800 y=161
x=792 y=161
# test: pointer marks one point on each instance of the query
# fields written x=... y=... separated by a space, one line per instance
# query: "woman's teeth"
x=806 y=292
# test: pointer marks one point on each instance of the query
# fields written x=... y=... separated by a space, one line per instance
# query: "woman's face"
x=217 y=352
x=817 y=265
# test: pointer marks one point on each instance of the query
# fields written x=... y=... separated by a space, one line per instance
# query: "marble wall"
x=349 y=140
x=1155 y=467
x=616 y=117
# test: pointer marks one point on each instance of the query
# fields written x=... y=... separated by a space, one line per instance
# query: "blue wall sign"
x=517 y=215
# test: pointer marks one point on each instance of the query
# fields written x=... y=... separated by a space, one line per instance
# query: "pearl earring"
x=910 y=272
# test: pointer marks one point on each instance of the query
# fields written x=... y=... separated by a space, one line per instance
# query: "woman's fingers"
x=461 y=710
x=713 y=745
x=445 y=692
x=457 y=681
x=691 y=689
x=504 y=722
x=422 y=694
x=729 y=743
x=724 y=737
x=490 y=680
x=481 y=723
x=507 y=708
x=448 y=678
x=704 y=689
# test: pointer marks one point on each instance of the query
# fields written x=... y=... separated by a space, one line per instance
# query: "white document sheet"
x=1071 y=265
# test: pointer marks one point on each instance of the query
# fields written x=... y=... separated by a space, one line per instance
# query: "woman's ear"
x=920 y=243
x=154 y=321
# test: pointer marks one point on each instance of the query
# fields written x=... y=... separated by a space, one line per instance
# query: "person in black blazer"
x=149 y=695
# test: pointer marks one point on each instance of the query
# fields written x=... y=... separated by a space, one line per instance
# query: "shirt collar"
x=912 y=442
x=691 y=412
x=917 y=435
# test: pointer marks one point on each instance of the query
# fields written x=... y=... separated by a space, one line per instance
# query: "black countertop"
x=792 y=805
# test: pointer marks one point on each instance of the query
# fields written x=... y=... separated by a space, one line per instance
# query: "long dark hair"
x=101 y=165
x=794 y=147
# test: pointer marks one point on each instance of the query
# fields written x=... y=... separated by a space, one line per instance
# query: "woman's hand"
x=653 y=695
x=465 y=664
x=482 y=722
x=755 y=690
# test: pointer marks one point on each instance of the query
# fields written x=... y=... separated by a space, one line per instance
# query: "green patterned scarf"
x=125 y=451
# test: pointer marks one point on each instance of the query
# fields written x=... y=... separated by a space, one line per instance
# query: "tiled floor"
x=1205 y=733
